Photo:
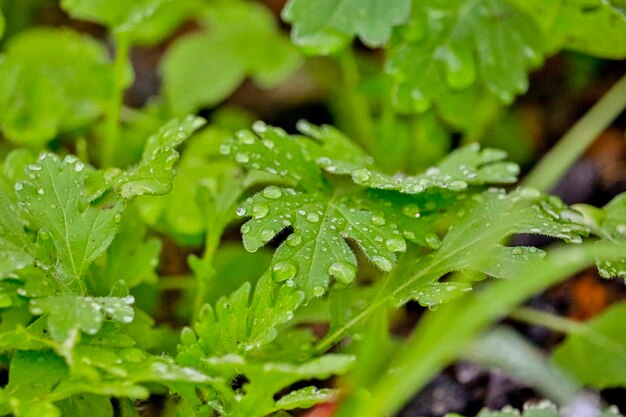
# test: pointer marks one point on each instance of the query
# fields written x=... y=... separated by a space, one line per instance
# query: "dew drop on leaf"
x=361 y=175
x=411 y=210
x=293 y=239
x=378 y=220
x=267 y=235
x=395 y=244
x=284 y=270
x=318 y=291
x=312 y=217
x=241 y=211
x=260 y=210
x=457 y=185
x=343 y=272
x=432 y=240
x=383 y=263
x=225 y=148
x=242 y=158
x=272 y=192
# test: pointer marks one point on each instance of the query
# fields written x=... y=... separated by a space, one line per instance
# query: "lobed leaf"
x=317 y=248
x=153 y=175
x=53 y=200
x=67 y=314
x=474 y=241
x=450 y=45
x=241 y=40
x=323 y=27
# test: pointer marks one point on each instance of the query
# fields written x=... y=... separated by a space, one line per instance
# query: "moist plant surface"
x=165 y=252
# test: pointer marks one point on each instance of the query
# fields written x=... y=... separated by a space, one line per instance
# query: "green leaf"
x=14 y=243
x=146 y=21
x=324 y=26
x=53 y=200
x=69 y=314
x=32 y=377
x=52 y=81
x=463 y=167
x=2 y=25
x=474 y=241
x=241 y=40
x=153 y=175
x=305 y=398
x=452 y=45
x=608 y=223
x=317 y=248
x=86 y=405
x=597 y=356
x=239 y=325
x=131 y=258
x=593 y=27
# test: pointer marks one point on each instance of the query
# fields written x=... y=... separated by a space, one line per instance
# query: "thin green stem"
x=351 y=102
x=563 y=325
x=547 y=320
x=557 y=161
x=114 y=106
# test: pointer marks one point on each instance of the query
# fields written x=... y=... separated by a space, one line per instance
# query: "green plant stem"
x=563 y=325
x=351 y=103
x=114 y=107
x=547 y=320
x=557 y=161
x=442 y=335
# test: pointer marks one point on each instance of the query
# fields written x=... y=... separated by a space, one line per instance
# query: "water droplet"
x=41 y=191
x=79 y=166
x=378 y=220
x=530 y=193
x=411 y=210
x=293 y=239
x=267 y=235
x=313 y=218
x=284 y=270
x=457 y=185
x=260 y=210
x=382 y=263
x=226 y=148
x=361 y=175
x=242 y=158
x=396 y=244
x=34 y=167
x=259 y=126
x=318 y=291
x=117 y=218
x=69 y=159
x=245 y=228
x=432 y=240
x=245 y=137
x=241 y=211
x=343 y=272
x=268 y=143
x=272 y=192
x=18 y=186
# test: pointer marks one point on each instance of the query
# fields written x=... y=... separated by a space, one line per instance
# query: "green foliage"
x=245 y=37
x=119 y=224
x=322 y=27
x=53 y=81
x=597 y=355
x=540 y=409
